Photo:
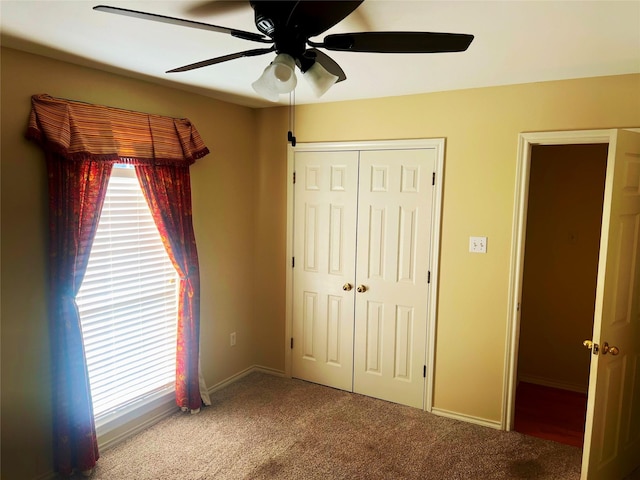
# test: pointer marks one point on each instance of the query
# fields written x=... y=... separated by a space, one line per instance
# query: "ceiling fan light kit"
x=319 y=79
x=289 y=24
x=279 y=77
x=264 y=86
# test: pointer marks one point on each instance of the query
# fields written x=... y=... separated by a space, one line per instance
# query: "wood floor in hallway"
x=550 y=413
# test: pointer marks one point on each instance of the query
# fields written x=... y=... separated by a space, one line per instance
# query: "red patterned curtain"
x=82 y=142
x=76 y=196
x=167 y=189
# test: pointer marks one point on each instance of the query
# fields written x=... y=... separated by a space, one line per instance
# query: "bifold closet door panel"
x=395 y=206
x=324 y=248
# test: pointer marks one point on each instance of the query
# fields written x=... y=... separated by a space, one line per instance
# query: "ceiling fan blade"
x=328 y=63
x=397 y=42
x=256 y=37
x=315 y=17
x=225 y=58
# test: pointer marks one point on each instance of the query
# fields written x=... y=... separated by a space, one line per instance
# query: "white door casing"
x=612 y=433
x=431 y=222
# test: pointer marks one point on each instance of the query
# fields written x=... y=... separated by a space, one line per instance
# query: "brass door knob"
x=594 y=347
x=361 y=288
x=611 y=350
x=347 y=287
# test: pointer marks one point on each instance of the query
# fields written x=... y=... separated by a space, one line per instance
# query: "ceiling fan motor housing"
x=270 y=20
x=264 y=24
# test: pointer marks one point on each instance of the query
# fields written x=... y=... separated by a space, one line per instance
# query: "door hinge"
x=291 y=343
x=293 y=262
x=424 y=371
x=429 y=276
x=294 y=176
x=433 y=178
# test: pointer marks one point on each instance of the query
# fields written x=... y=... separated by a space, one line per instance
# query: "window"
x=128 y=302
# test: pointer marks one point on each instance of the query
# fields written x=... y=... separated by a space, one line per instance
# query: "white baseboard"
x=467 y=418
x=269 y=371
x=546 y=382
x=234 y=378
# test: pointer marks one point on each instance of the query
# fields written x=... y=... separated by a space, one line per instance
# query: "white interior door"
x=324 y=246
x=612 y=436
x=394 y=233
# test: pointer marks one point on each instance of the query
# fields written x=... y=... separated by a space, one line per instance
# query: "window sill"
x=114 y=427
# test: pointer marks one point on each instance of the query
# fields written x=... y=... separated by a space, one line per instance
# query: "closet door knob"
x=361 y=289
x=347 y=287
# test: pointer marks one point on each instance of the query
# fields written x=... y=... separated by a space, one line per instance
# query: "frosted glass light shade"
x=265 y=86
x=284 y=72
x=279 y=77
x=319 y=79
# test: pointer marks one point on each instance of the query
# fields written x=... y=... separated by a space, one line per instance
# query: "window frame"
x=119 y=422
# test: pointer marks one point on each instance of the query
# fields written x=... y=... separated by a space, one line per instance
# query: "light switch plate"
x=478 y=244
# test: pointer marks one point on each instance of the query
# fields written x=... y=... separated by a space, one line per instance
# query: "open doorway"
x=564 y=213
x=612 y=426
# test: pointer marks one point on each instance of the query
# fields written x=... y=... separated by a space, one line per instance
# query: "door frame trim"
x=434 y=256
x=523 y=167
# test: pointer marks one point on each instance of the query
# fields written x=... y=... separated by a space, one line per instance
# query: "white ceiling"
x=515 y=42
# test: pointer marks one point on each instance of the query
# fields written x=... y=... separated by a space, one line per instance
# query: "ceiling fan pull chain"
x=292 y=118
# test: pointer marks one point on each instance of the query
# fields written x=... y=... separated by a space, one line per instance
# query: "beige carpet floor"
x=267 y=427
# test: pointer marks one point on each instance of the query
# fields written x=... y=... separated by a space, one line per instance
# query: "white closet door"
x=394 y=236
x=324 y=248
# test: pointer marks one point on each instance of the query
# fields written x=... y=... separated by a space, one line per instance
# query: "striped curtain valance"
x=78 y=130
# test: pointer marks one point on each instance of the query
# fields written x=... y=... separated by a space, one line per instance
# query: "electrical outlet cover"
x=478 y=244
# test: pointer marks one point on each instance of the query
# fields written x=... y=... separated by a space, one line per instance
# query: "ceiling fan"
x=287 y=27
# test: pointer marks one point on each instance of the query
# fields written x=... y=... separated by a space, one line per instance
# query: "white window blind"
x=128 y=301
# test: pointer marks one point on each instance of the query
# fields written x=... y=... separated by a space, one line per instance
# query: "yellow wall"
x=239 y=197
x=270 y=240
x=223 y=185
x=566 y=191
x=481 y=128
